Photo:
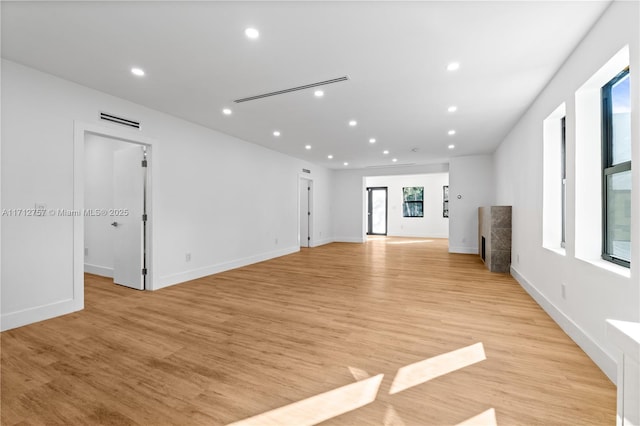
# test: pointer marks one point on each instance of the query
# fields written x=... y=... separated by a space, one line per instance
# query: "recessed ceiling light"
x=226 y=111
x=345 y=163
x=453 y=66
x=353 y=123
x=137 y=71
x=307 y=147
x=394 y=160
x=451 y=132
x=451 y=146
x=252 y=33
x=330 y=156
x=318 y=93
x=276 y=133
x=452 y=108
x=372 y=140
x=385 y=152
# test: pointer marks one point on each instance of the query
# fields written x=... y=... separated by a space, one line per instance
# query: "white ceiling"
x=198 y=60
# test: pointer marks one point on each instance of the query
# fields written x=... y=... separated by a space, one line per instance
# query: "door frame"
x=386 y=209
x=309 y=181
x=80 y=129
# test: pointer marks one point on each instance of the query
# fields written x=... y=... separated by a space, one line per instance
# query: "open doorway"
x=115 y=210
x=377 y=211
x=118 y=214
x=305 y=208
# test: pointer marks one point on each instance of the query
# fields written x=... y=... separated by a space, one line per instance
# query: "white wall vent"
x=119 y=120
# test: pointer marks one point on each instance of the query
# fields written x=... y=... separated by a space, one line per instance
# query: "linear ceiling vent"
x=293 y=89
x=389 y=165
x=119 y=120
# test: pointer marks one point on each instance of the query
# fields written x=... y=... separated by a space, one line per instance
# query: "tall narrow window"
x=616 y=170
x=563 y=177
x=553 y=181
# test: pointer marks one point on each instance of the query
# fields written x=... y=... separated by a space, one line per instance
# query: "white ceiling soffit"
x=198 y=60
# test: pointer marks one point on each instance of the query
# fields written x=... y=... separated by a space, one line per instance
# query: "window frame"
x=410 y=199
x=563 y=182
x=608 y=168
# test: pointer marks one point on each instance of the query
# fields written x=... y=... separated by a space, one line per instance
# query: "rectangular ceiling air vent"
x=389 y=165
x=119 y=120
x=293 y=89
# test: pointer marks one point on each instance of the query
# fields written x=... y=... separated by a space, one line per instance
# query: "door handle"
x=114 y=224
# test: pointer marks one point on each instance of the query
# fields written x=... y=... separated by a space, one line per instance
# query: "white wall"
x=349 y=198
x=471 y=185
x=221 y=199
x=593 y=293
x=432 y=224
x=98 y=194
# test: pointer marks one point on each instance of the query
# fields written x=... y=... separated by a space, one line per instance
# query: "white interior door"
x=305 y=212
x=128 y=196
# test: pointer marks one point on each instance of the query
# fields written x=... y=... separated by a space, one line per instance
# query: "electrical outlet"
x=563 y=288
x=187 y=257
x=518 y=259
x=276 y=241
x=86 y=251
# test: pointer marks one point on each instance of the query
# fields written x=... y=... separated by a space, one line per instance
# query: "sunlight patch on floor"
x=325 y=406
x=486 y=418
x=392 y=418
x=359 y=374
x=423 y=371
x=321 y=407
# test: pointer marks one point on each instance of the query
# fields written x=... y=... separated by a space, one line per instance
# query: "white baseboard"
x=193 y=274
x=321 y=242
x=463 y=250
x=602 y=359
x=39 y=313
x=103 y=271
x=348 y=240
x=409 y=235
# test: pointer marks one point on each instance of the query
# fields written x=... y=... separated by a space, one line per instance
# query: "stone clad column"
x=494 y=237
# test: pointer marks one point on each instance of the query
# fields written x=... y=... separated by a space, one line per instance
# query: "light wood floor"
x=234 y=345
